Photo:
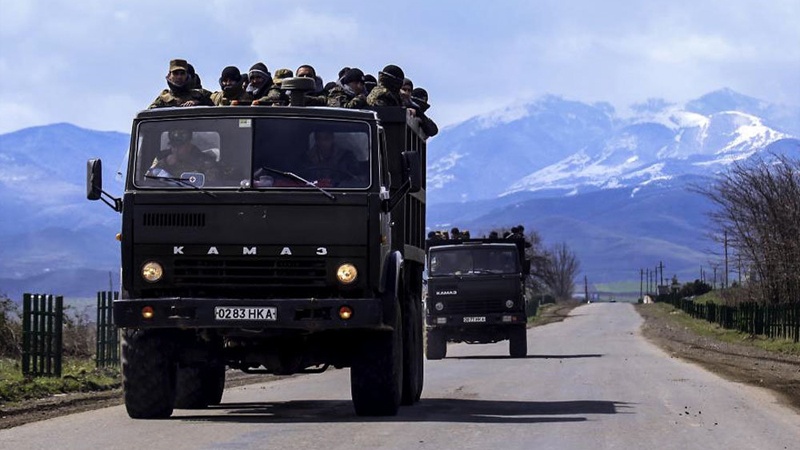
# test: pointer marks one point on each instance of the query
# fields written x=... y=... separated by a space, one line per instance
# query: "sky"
x=95 y=63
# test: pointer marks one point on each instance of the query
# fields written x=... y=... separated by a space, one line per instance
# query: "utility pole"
x=661 y=266
x=586 y=288
x=641 y=280
x=725 y=279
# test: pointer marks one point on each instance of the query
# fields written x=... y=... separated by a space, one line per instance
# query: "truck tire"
x=518 y=342
x=436 y=344
x=148 y=374
x=199 y=387
x=413 y=359
x=376 y=376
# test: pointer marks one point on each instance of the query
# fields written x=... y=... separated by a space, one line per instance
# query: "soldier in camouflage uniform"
x=419 y=97
x=262 y=89
x=182 y=156
x=351 y=93
x=180 y=92
x=387 y=92
x=316 y=98
x=232 y=90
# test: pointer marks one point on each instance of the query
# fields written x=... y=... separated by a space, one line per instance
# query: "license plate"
x=245 y=313
x=474 y=319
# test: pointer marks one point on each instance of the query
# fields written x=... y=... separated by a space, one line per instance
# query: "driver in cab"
x=327 y=163
x=181 y=157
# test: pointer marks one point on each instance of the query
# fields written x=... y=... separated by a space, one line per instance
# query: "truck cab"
x=476 y=294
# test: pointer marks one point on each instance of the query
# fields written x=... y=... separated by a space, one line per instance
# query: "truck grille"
x=192 y=220
x=249 y=272
x=475 y=306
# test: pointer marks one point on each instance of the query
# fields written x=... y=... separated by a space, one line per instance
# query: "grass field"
x=78 y=375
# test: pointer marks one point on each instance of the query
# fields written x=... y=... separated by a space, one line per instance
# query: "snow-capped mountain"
x=559 y=147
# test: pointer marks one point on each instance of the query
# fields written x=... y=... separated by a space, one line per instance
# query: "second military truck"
x=476 y=294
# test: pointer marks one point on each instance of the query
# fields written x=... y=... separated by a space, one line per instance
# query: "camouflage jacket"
x=340 y=98
x=380 y=96
x=275 y=97
x=219 y=99
x=169 y=98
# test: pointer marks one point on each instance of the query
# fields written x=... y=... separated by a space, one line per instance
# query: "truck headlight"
x=152 y=271
x=439 y=306
x=509 y=304
x=346 y=273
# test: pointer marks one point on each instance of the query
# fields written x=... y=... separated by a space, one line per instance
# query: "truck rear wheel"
x=376 y=376
x=413 y=359
x=148 y=374
x=436 y=344
x=518 y=342
x=199 y=387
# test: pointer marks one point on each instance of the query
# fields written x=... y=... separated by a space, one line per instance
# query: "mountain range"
x=616 y=188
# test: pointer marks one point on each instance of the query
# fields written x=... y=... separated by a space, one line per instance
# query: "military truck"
x=476 y=293
x=250 y=257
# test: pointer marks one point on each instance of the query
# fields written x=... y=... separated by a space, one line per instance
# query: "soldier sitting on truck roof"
x=420 y=98
x=180 y=92
x=316 y=97
x=387 y=92
x=232 y=91
x=351 y=93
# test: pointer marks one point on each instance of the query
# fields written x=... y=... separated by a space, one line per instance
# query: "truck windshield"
x=252 y=153
x=473 y=261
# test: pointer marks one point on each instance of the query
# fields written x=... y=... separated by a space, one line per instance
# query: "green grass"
x=706 y=328
x=79 y=375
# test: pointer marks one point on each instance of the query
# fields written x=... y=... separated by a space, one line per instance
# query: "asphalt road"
x=590 y=382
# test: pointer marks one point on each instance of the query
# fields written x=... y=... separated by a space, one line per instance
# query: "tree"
x=758 y=209
x=559 y=270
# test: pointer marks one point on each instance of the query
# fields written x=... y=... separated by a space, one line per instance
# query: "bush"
x=10 y=328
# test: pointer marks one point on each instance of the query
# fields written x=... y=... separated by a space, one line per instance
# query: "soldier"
x=317 y=97
x=261 y=88
x=370 y=82
x=280 y=74
x=180 y=92
x=420 y=98
x=351 y=93
x=405 y=93
x=232 y=91
x=326 y=161
x=387 y=92
x=182 y=156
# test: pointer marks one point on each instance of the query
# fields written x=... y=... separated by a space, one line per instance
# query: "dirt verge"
x=740 y=362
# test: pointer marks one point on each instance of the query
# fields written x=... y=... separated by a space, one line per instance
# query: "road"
x=590 y=382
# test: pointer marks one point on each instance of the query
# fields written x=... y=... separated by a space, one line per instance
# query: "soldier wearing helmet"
x=387 y=92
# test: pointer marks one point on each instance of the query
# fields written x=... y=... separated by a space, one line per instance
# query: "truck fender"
x=390 y=284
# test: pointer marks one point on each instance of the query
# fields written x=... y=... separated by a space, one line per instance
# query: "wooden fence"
x=42 y=325
x=773 y=321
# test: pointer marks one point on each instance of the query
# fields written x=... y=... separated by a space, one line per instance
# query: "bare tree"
x=560 y=268
x=758 y=207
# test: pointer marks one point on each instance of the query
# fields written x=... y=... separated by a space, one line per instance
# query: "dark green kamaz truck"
x=274 y=240
x=476 y=294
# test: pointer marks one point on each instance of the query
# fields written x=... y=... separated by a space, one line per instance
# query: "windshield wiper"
x=181 y=181
x=296 y=177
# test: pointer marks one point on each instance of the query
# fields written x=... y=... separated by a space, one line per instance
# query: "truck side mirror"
x=94 y=179
x=412 y=170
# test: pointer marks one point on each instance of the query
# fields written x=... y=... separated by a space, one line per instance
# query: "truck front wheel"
x=518 y=342
x=199 y=387
x=148 y=374
x=376 y=375
x=413 y=358
x=436 y=344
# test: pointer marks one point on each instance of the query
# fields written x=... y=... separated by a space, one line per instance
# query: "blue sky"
x=95 y=63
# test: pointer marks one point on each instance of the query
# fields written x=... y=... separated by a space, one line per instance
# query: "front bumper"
x=472 y=321
x=297 y=314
